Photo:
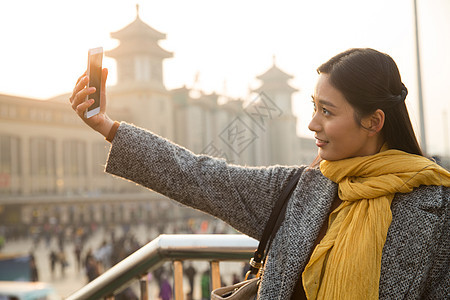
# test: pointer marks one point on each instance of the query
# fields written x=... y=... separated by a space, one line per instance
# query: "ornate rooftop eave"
x=274 y=73
x=138 y=29
x=280 y=86
x=139 y=47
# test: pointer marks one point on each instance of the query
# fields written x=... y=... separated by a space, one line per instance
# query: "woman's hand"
x=100 y=122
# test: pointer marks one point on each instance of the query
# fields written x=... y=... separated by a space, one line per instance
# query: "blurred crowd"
x=97 y=247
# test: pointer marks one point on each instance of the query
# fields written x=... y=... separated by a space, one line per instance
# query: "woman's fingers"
x=81 y=83
x=81 y=108
x=81 y=101
x=81 y=96
x=81 y=77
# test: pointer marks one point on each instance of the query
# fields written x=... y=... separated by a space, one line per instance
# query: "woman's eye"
x=314 y=108
x=325 y=111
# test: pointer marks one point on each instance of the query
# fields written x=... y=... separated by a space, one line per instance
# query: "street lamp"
x=423 y=140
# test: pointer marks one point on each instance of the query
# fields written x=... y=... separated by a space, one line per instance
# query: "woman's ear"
x=374 y=122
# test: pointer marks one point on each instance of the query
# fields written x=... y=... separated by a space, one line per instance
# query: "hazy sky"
x=44 y=45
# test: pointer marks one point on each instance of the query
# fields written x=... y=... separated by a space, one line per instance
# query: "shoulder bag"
x=248 y=288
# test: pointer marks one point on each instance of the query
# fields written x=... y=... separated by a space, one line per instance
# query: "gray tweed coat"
x=416 y=256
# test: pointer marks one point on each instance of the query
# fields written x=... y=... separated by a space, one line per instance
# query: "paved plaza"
x=74 y=278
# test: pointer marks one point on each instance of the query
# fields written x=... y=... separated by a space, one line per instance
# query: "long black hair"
x=370 y=80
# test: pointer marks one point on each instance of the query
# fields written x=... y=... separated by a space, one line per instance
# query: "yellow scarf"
x=346 y=264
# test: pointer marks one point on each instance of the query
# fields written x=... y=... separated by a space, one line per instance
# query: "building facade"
x=51 y=164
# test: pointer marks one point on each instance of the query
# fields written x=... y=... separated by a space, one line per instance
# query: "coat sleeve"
x=438 y=283
x=241 y=196
x=415 y=259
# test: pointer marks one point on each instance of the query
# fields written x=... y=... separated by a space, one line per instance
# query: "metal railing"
x=176 y=248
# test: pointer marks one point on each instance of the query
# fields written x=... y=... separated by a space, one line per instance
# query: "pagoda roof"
x=279 y=86
x=274 y=73
x=138 y=37
x=138 y=29
x=275 y=79
x=139 y=46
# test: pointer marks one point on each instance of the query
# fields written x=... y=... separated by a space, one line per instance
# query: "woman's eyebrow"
x=323 y=102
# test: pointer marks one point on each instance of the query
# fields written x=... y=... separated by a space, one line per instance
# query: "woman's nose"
x=314 y=125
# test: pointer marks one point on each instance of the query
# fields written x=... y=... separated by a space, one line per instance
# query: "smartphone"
x=94 y=71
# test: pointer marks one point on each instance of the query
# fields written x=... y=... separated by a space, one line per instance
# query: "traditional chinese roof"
x=274 y=73
x=138 y=28
x=138 y=37
x=275 y=79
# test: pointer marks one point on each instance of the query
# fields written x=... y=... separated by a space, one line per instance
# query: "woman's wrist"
x=106 y=127
x=112 y=132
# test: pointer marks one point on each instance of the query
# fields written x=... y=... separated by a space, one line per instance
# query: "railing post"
x=143 y=282
x=215 y=275
x=178 y=279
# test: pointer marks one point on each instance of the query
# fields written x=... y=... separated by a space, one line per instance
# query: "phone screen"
x=95 y=76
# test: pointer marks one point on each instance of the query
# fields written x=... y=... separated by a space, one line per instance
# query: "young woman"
x=370 y=222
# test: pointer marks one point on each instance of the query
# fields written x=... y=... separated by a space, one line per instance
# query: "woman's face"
x=337 y=133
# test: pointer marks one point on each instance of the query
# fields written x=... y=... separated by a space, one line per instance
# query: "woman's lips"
x=320 y=143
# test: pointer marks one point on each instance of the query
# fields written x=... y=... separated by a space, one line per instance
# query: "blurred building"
x=51 y=164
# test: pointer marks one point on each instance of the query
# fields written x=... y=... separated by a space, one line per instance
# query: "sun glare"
x=226 y=43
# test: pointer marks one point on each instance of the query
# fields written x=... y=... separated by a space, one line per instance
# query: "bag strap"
x=274 y=222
